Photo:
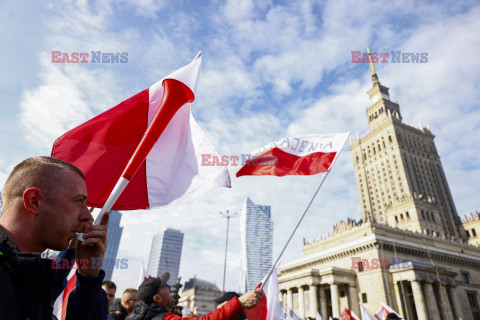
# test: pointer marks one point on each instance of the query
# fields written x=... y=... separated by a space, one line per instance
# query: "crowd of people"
x=44 y=206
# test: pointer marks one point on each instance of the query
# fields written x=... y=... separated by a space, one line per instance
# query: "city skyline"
x=271 y=70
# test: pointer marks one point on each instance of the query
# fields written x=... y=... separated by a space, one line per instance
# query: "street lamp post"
x=227 y=215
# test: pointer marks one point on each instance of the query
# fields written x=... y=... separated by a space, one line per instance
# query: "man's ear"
x=157 y=299
x=31 y=199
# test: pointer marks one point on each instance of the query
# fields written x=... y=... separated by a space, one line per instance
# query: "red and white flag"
x=269 y=307
x=366 y=315
x=301 y=155
x=385 y=310
x=60 y=306
x=348 y=315
x=150 y=142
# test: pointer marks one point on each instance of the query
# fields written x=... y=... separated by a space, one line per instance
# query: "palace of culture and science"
x=410 y=249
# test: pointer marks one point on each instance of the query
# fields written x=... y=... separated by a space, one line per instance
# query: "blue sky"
x=271 y=69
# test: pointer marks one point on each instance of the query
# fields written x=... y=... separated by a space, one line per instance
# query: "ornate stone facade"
x=421 y=276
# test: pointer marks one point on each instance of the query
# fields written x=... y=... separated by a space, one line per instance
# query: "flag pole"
x=294 y=230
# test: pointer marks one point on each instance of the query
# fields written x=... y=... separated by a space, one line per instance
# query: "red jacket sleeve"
x=232 y=310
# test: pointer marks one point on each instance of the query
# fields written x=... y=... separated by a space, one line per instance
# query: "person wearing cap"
x=154 y=300
x=227 y=296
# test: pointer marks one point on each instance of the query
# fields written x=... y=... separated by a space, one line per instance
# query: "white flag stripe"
x=307 y=144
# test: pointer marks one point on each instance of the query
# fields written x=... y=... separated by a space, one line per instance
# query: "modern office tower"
x=113 y=238
x=256 y=232
x=400 y=178
x=165 y=254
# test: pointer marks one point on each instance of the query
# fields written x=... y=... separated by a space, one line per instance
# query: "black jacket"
x=144 y=311
x=27 y=288
x=116 y=311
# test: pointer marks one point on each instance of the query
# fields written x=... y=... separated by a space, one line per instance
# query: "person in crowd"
x=44 y=205
x=392 y=316
x=154 y=300
x=120 y=309
x=110 y=289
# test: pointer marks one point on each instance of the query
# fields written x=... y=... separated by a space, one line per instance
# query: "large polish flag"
x=300 y=155
x=269 y=307
x=105 y=147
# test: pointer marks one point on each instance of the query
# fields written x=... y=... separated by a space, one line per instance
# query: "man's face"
x=65 y=212
x=110 y=294
x=128 y=301
x=164 y=297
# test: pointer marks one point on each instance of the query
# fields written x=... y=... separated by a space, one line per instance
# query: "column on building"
x=323 y=302
x=313 y=301
x=399 y=296
x=301 y=302
x=445 y=303
x=335 y=300
x=431 y=301
x=456 y=303
x=353 y=299
x=290 y=298
x=419 y=300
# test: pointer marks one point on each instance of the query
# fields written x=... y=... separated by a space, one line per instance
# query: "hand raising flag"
x=301 y=155
x=149 y=140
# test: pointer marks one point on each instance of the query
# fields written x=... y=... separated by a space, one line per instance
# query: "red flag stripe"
x=277 y=162
x=71 y=284
x=102 y=147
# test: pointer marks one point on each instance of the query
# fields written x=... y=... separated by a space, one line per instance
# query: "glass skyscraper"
x=165 y=254
x=113 y=241
x=256 y=232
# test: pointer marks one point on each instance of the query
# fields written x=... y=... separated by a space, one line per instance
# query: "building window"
x=472 y=298
x=342 y=293
x=468 y=233
x=364 y=298
x=408 y=215
x=465 y=277
x=474 y=233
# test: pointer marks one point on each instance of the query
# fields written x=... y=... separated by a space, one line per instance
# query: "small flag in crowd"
x=60 y=306
x=153 y=139
x=385 y=310
x=348 y=315
x=319 y=317
x=366 y=315
x=301 y=155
